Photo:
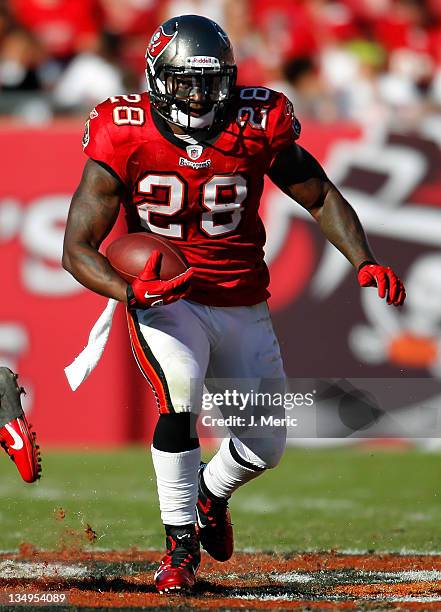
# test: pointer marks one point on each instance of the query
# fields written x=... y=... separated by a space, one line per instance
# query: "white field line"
x=386 y=599
x=54 y=494
x=411 y=575
x=411 y=599
x=10 y=569
x=262 y=597
x=396 y=577
x=29 y=569
x=260 y=504
x=319 y=503
x=288 y=577
x=418 y=516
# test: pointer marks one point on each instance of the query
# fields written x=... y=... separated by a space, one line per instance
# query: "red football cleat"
x=16 y=436
x=18 y=440
x=177 y=572
x=214 y=526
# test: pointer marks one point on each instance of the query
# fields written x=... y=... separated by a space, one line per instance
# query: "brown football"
x=128 y=255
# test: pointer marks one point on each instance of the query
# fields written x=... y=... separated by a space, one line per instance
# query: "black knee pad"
x=176 y=433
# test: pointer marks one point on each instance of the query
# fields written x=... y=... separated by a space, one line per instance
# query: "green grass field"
x=315 y=500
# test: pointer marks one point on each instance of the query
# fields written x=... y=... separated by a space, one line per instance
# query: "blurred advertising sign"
x=329 y=327
x=326 y=325
x=45 y=315
x=394 y=183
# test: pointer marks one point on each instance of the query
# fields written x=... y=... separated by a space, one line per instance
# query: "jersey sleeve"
x=97 y=141
x=283 y=126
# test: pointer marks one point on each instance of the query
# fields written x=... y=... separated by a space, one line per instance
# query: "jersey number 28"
x=167 y=194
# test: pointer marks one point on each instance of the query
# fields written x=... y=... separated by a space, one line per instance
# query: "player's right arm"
x=92 y=214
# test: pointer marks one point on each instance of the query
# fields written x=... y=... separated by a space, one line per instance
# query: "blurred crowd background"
x=362 y=60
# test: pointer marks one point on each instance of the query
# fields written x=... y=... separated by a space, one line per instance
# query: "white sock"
x=223 y=474
x=177 y=481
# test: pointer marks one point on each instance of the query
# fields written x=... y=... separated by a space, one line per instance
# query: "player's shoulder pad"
x=122 y=101
x=256 y=96
x=97 y=122
x=284 y=114
x=124 y=111
x=266 y=108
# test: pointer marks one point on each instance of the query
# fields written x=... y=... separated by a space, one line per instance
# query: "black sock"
x=176 y=433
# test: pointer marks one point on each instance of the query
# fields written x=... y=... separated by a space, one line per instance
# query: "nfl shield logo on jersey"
x=194 y=151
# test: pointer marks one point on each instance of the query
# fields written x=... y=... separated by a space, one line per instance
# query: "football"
x=128 y=255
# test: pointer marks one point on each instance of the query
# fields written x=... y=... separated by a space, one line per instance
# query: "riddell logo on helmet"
x=159 y=42
x=202 y=61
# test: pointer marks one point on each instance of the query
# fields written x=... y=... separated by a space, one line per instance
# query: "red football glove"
x=148 y=290
x=388 y=283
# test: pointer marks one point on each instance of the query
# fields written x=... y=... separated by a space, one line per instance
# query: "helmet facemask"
x=193 y=98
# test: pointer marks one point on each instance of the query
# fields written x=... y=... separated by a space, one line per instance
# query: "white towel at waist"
x=82 y=366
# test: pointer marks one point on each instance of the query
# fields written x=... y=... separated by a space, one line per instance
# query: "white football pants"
x=184 y=345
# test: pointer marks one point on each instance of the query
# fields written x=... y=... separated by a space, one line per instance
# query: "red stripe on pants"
x=147 y=368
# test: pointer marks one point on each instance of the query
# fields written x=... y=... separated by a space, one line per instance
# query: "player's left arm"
x=298 y=174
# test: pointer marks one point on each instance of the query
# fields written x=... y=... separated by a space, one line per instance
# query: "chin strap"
x=201 y=122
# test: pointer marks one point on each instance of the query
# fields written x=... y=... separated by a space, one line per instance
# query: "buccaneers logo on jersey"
x=159 y=42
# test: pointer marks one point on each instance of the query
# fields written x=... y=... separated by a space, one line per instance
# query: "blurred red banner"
x=45 y=316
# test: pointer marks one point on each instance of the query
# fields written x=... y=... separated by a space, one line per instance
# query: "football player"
x=187 y=161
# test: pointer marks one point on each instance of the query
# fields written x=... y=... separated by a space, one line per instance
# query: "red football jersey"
x=202 y=195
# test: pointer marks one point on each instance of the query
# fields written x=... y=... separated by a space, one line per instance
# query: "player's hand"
x=388 y=283
x=148 y=290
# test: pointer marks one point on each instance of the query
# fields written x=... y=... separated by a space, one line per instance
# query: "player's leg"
x=248 y=355
x=172 y=351
x=176 y=456
x=16 y=435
